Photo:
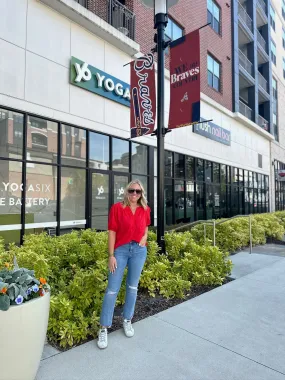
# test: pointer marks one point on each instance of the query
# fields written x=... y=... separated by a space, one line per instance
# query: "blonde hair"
x=142 y=201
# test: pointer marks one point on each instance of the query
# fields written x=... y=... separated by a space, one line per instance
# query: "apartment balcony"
x=262 y=82
x=261 y=14
x=245 y=26
x=114 y=13
x=245 y=110
x=245 y=63
x=263 y=123
x=263 y=56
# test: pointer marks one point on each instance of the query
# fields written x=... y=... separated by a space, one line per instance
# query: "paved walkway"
x=235 y=332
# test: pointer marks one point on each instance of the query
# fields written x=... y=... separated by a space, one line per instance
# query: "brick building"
x=65 y=149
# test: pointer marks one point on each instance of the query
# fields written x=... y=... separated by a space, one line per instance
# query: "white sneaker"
x=102 y=338
x=128 y=328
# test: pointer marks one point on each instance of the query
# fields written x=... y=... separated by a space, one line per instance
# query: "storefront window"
x=139 y=158
x=179 y=165
x=11 y=134
x=223 y=201
x=208 y=171
x=200 y=202
x=179 y=201
x=217 y=201
x=41 y=196
x=73 y=146
x=209 y=202
x=99 y=154
x=120 y=155
x=223 y=174
x=200 y=170
x=168 y=202
x=216 y=173
x=73 y=200
x=190 y=201
x=168 y=163
x=190 y=172
x=10 y=200
x=42 y=140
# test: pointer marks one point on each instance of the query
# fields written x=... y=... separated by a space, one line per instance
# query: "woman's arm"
x=144 y=238
x=111 y=244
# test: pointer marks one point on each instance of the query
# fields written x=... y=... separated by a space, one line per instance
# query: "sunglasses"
x=132 y=191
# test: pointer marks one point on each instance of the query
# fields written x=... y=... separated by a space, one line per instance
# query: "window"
x=120 y=155
x=41 y=191
x=11 y=136
x=99 y=151
x=173 y=31
x=179 y=165
x=73 y=186
x=283 y=37
x=260 y=161
x=272 y=17
x=273 y=52
x=283 y=9
x=213 y=73
x=275 y=127
x=213 y=15
x=10 y=200
x=139 y=158
x=73 y=146
x=274 y=87
x=168 y=161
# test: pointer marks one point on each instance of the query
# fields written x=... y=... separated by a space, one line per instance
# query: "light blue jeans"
x=132 y=256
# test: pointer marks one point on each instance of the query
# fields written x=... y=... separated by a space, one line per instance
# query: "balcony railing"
x=245 y=110
x=245 y=63
x=263 y=123
x=262 y=5
x=262 y=82
x=115 y=13
x=245 y=16
x=261 y=40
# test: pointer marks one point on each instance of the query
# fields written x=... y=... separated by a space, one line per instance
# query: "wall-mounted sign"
x=213 y=131
x=99 y=82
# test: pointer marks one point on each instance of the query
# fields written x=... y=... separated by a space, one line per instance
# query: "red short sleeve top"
x=128 y=226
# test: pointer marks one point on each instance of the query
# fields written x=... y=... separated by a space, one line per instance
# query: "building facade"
x=65 y=152
x=277 y=26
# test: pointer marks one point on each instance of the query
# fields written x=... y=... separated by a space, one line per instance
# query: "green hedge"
x=75 y=266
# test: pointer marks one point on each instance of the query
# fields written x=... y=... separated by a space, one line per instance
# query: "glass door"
x=100 y=200
x=120 y=181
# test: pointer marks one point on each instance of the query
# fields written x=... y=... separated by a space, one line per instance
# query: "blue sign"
x=213 y=131
x=100 y=83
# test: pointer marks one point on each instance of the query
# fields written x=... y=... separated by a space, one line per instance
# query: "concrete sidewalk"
x=234 y=332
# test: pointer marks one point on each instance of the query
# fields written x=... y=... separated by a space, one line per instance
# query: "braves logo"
x=185 y=97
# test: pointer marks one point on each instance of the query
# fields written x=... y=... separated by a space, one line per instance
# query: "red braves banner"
x=143 y=100
x=185 y=81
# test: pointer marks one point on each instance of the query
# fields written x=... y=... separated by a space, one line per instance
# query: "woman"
x=128 y=228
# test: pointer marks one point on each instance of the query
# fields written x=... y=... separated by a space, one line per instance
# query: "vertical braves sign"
x=185 y=81
x=143 y=101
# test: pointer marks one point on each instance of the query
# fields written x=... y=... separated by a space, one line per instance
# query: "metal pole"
x=214 y=233
x=160 y=25
x=204 y=233
x=250 y=235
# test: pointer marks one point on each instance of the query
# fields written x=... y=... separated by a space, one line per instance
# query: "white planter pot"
x=22 y=336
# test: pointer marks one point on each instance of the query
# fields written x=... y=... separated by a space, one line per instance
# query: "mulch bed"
x=147 y=306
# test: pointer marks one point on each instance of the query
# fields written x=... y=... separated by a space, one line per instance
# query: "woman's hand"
x=112 y=264
x=142 y=243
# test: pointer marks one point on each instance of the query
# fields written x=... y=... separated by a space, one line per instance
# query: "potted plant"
x=24 y=312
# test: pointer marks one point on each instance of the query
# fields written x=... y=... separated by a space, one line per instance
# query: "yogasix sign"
x=10 y=188
x=94 y=80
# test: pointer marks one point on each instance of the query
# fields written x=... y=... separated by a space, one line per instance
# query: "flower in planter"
x=19 y=285
x=19 y=300
x=35 y=288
